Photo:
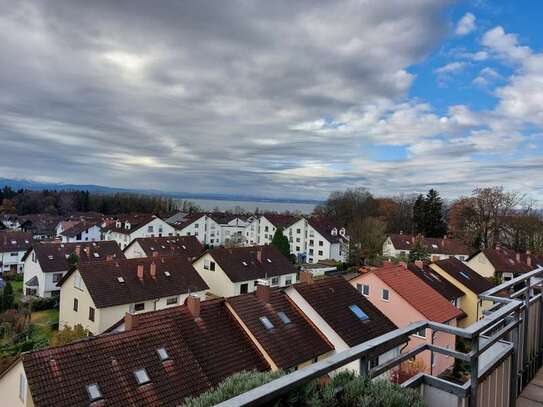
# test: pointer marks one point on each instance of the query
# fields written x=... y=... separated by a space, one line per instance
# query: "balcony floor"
x=532 y=395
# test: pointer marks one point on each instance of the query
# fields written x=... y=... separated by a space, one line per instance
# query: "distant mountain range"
x=38 y=186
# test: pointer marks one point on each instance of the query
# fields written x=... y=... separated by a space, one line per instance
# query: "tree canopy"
x=428 y=215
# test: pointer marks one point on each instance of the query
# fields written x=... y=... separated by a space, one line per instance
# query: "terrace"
x=506 y=349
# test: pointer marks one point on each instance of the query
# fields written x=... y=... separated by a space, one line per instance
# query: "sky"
x=275 y=98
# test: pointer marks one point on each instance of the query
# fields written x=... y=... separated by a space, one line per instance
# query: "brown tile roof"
x=185 y=246
x=325 y=227
x=135 y=221
x=77 y=228
x=433 y=245
x=58 y=376
x=505 y=261
x=331 y=298
x=102 y=280
x=242 y=264
x=465 y=275
x=215 y=338
x=187 y=220
x=53 y=256
x=288 y=344
x=281 y=220
x=438 y=283
x=420 y=295
x=15 y=241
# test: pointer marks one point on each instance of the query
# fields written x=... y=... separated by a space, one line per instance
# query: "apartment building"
x=188 y=247
x=127 y=228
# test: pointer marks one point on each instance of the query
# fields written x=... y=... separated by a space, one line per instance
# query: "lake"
x=251 y=206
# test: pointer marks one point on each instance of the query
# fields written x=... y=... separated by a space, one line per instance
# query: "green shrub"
x=344 y=390
x=42 y=304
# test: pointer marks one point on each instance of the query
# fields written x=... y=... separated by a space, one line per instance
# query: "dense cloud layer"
x=256 y=97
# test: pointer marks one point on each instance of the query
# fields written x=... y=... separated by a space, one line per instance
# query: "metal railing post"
x=513 y=382
x=474 y=371
x=540 y=327
x=526 y=350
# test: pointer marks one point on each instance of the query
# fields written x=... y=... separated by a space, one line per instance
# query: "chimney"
x=140 y=272
x=193 y=305
x=131 y=321
x=413 y=239
x=529 y=261
x=77 y=250
x=419 y=264
x=528 y=252
x=401 y=232
x=155 y=254
x=263 y=291
x=517 y=255
x=152 y=270
x=306 y=277
x=403 y=264
x=109 y=257
x=259 y=255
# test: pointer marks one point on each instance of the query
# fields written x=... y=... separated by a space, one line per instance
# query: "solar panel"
x=361 y=315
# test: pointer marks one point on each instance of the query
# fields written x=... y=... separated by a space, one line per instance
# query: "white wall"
x=9 y=387
x=155 y=228
x=93 y=234
x=7 y=259
x=32 y=268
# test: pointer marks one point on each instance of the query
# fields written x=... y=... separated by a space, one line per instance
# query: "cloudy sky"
x=273 y=98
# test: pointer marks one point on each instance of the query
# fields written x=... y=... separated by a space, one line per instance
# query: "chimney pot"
x=109 y=257
x=131 y=321
x=193 y=305
x=419 y=264
x=259 y=255
x=528 y=252
x=140 y=271
x=77 y=250
x=413 y=239
x=155 y=254
x=306 y=277
x=529 y=261
x=517 y=255
x=152 y=270
x=403 y=264
x=263 y=291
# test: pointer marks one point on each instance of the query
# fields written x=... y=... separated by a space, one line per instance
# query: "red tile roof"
x=420 y=295
x=242 y=264
x=102 y=280
x=433 y=245
x=288 y=344
x=434 y=280
x=331 y=298
x=508 y=261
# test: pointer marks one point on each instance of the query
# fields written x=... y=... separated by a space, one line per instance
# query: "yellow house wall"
x=470 y=301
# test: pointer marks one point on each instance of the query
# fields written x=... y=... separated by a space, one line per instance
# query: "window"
x=150 y=229
x=33 y=257
x=77 y=281
x=297 y=240
x=421 y=333
x=275 y=281
x=140 y=306
x=57 y=277
x=288 y=281
x=364 y=289
x=94 y=392
x=171 y=301
x=14 y=254
x=283 y=317
x=265 y=229
x=298 y=231
x=464 y=275
x=91 y=314
x=76 y=304
x=22 y=387
x=311 y=242
x=244 y=288
x=321 y=243
x=267 y=323
x=212 y=265
x=320 y=252
x=361 y=315
x=310 y=251
x=385 y=294
x=141 y=376
x=162 y=354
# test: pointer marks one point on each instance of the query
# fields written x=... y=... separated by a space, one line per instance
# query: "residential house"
x=281 y=332
x=503 y=264
x=64 y=225
x=233 y=271
x=188 y=247
x=13 y=247
x=159 y=359
x=97 y=295
x=447 y=290
x=127 y=228
x=400 y=245
x=175 y=217
x=268 y=224
x=47 y=262
x=83 y=231
x=344 y=316
x=405 y=298
x=42 y=226
x=470 y=282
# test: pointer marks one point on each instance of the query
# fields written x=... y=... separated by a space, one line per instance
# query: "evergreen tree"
x=7 y=297
x=418 y=252
x=428 y=215
x=281 y=242
x=73 y=261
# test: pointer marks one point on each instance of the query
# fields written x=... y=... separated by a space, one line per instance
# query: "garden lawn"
x=43 y=321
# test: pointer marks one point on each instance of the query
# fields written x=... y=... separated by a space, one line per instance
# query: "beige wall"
x=481 y=265
x=104 y=318
x=134 y=251
x=9 y=388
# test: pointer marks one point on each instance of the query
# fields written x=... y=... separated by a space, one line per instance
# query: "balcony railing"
x=506 y=349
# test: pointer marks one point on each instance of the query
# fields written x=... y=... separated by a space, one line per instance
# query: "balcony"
x=506 y=350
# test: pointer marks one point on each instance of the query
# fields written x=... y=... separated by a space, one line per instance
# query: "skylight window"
x=464 y=275
x=267 y=323
x=184 y=247
x=162 y=354
x=120 y=279
x=26 y=241
x=96 y=254
x=434 y=246
x=283 y=317
x=141 y=376
x=94 y=392
x=50 y=257
x=244 y=263
x=361 y=315
x=167 y=274
x=269 y=260
x=14 y=242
